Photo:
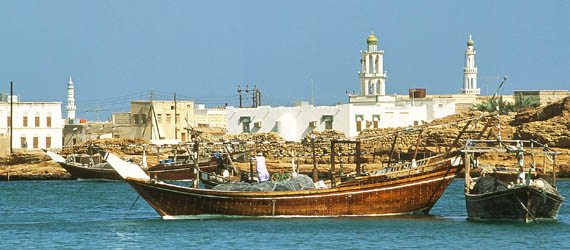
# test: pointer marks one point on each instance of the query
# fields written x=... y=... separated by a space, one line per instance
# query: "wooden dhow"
x=408 y=189
x=85 y=167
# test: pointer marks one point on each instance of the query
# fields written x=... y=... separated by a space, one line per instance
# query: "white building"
x=36 y=124
x=294 y=123
x=371 y=109
x=470 y=71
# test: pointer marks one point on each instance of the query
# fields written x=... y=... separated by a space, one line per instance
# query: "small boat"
x=86 y=167
x=408 y=189
x=515 y=194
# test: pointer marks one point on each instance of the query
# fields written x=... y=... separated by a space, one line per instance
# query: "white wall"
x=31 y=110
x=292 y=123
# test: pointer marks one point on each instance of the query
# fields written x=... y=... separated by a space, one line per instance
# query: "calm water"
x=91 y=215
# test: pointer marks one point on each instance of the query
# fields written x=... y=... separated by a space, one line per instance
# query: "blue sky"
x=117 y=51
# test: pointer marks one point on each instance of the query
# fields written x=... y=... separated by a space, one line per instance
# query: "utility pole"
x=175 y=118
x=487 y=80
x=240 y=99
x=253 y=94
x=11 y=116
x=254 y=97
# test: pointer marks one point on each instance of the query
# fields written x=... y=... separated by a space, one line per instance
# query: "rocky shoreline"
x=549 y=124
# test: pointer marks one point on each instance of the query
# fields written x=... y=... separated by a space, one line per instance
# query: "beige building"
x=463 y=102
x=165 y=120
x=543 y=96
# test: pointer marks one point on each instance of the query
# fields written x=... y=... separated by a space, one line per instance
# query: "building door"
x=23 y=143
x=358 y=126
x=36 y=142
x=183 y=136
x=48 y=142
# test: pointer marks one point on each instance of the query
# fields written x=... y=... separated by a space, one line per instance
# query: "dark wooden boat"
x=504 y=199
x=519 y=203
x=86 y=167
x=406 y=190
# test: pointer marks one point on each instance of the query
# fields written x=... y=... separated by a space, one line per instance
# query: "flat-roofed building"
x=544 y=97
x=36 y=125
x=165 y=120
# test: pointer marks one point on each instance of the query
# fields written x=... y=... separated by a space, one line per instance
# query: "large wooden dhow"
x=405 y=190
x=514 y=194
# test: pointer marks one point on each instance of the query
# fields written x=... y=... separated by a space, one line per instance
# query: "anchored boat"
x=85 y=166
x=517 y=194
x=407 y=189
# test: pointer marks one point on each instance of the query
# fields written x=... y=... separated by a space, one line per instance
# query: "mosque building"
x=371 y=108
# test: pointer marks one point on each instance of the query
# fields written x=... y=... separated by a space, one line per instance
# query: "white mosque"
x=470 y=71
x=372 y=108
x=70 y=107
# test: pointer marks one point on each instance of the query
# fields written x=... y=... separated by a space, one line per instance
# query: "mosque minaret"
x=70 y=108
x=470 y=71
x=372 y=77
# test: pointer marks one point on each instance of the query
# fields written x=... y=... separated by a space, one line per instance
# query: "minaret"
x=70 y=108
x=372 y=77
x=470 y=71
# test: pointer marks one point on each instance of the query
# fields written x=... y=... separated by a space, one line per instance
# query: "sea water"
x=97 y=215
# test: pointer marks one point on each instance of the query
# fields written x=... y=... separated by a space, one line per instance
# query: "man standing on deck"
x=262 y=174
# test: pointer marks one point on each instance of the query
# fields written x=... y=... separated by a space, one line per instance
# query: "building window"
x=37 y=121
x=48 y=121
x=136 y=119
x=171 y=107
x=23 y=143
x=168 y=118
x=36 y=142
x=159 y=118
x=48 y=142
x=245 y=125
x=177 y=118
x=183 y=136
x=359 y=119
x=328 y=124
x=143 y=118
x=328 y=120
x=25 y=121
x=9 y=121
x=375 y=120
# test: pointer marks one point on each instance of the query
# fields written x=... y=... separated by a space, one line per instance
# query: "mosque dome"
x=470 y=42
x=372 y=39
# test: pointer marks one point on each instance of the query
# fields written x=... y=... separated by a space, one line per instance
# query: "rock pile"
x=121 y=146
x=549 y=124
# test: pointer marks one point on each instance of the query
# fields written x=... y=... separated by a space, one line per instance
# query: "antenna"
x=487 y=80
x=313 y=91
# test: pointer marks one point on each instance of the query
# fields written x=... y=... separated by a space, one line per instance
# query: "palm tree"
x=526 y=102
x=492 y=104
